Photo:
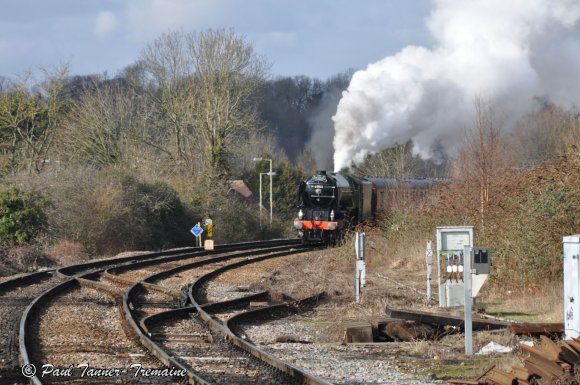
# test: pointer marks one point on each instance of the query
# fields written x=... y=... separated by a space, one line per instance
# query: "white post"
x=199 y=236
x=360 y=267
x=571 y=286
x=270 y=173
x=363 y=258
x=270 y=191
x=468 y=300
x=429 y=260
x=261 y=200
x=357 y=283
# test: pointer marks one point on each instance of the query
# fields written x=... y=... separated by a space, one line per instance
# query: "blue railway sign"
x=196 y=230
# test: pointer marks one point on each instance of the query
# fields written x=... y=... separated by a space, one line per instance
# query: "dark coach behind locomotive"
x=330 y=203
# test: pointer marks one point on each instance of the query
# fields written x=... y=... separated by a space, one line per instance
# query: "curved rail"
x=80 y=274
x=286 y=367
x=72 y=282
x=141 y=329
x=26 y=279
x=25 y=321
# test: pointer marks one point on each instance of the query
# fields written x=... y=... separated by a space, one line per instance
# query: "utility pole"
x=271 y=175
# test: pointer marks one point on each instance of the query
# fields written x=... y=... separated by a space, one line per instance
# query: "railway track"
x=210 y=355
x=15 y=295
x=138 y=318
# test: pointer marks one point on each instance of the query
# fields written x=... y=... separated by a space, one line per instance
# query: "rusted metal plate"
x=521 y=373
x=574 y=345
x=500 y=377
x=550 y=364
x=539 y=358
x=539 y=328
x=442 y=319
x=539 y=369
x=569 y=354
x=550 y=349
x=408 y=331
x=540 y=377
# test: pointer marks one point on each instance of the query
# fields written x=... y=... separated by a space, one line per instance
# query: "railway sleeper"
x=549 y=363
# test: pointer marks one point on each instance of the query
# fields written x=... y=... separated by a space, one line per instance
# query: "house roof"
x=241 y=188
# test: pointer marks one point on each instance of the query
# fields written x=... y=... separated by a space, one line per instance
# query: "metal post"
x=271 y=199
x=468 y=304
x=571 y=246
x=362 y=257
x=357 y=284
x=261 y=199
x=360 y=268
x=429 y=258
x=270 y=191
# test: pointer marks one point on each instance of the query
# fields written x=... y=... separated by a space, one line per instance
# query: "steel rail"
x=177 y=254
x=140 y=329
x=77 y=274
x=25 y=279
x=25 y=321
x=150 y=345
x=220 y=249
x=170 y=272
x=266 y=312
x=152 y=320
x=215 y=325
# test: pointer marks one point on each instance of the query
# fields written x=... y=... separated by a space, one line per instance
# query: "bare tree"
x=394 y=162
x=228 y=76
x=480 y=162
x=202 y=88
x=170 y=70
x=30 y=114
x=543 y=135
x=97 y=130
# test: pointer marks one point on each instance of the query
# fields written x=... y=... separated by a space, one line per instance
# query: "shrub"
x=22 y=258
x=108 y=213
x=22 y=217
x=151 y=217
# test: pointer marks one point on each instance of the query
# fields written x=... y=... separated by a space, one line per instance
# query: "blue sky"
x=317 y=38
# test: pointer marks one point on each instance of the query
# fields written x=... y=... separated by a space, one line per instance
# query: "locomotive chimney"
x=321 y=172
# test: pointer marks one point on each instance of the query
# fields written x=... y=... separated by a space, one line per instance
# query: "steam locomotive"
x=331 y=203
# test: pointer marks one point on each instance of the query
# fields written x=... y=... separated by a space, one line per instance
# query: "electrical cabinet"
x=481 y=262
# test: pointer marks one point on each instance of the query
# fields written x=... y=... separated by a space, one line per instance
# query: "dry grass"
x=24 y=258
x=66 y=253
x=396 y=275
x=536 y=304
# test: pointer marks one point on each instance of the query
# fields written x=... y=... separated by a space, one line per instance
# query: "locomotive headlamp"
x=318 y=191
x=300 y=214
x=332 y=215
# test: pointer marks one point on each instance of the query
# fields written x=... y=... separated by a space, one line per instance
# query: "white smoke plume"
x=509 y=52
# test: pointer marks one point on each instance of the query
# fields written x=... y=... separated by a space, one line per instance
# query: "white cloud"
x=503 y=52
x=105 y=24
